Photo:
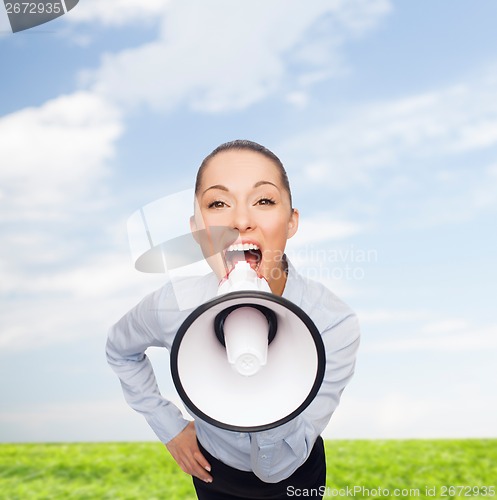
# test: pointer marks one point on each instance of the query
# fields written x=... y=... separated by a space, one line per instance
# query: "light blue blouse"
x=272 y=455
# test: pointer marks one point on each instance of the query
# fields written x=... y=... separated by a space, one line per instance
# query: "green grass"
x=146 y=470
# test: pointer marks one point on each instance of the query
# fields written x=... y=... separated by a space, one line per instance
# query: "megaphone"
x=247 y=360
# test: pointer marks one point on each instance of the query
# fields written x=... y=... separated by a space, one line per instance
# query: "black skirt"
x=308 y=481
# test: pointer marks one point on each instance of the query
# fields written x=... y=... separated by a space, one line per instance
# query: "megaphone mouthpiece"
x=246 y=333
x=243 y=277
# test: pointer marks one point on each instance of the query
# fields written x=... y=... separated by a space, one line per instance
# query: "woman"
x=243 y=186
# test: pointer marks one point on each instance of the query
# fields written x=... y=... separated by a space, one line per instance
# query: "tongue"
x=250 y=256
x=236 y=256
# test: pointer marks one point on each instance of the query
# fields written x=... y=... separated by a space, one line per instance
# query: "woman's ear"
x=194 y=229
x=293 y=223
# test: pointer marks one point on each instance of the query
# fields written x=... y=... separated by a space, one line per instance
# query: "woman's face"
x=242 y=190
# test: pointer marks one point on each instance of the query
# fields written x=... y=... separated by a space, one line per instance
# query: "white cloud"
x=63 y=303
x=400 y=134
x=440 y=339
x=298 y=99
x=81 y=414
x=93 y=276
x=483 y=193
x=426 y=154
x=321 y=227
x=462 y=412
x=450 y=325
x=90 y=420
x=318 y=252
x=325 y=256
x=423 y=330
x=54 y=155
x=384 y=316
x=117 y=12
x=220 y=56
x=55 y=161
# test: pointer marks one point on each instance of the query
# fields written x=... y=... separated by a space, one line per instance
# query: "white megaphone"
x=247 y=360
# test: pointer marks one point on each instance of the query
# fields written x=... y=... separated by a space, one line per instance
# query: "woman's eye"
x=266 y=201
x=217 y=204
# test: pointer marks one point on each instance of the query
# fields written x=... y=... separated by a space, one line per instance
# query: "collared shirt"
x=272 y=455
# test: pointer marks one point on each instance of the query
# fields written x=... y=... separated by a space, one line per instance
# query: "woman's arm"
x=127 y=342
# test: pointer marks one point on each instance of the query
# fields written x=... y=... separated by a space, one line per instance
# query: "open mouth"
x=248 y=252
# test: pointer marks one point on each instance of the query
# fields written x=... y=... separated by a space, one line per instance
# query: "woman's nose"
x=242 y=219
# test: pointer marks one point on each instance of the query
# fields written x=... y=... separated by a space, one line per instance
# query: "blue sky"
x=385 y=115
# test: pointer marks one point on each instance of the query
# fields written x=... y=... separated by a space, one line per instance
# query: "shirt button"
x=264 y=456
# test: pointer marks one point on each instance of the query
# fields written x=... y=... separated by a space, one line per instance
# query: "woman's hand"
x=185 y=451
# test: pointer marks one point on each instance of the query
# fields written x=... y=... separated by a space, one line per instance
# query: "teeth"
x=240 y=247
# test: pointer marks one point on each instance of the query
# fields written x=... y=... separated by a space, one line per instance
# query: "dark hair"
x=245 y=145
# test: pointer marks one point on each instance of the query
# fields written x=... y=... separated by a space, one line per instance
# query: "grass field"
x=146 y=471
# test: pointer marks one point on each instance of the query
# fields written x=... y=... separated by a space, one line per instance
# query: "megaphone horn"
x=247 y=361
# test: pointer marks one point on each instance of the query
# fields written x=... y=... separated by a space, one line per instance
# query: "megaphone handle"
x=221 y=317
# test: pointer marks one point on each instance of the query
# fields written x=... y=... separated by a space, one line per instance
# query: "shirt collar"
x=294 y=285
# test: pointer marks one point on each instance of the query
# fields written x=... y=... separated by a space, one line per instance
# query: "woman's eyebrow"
x=224 y=188
x=261 y=183
x=216 y=186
